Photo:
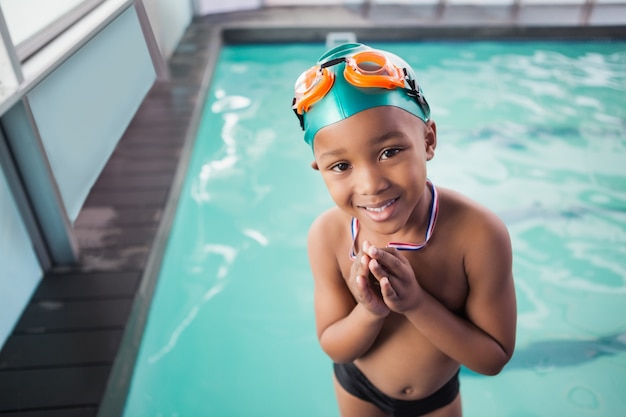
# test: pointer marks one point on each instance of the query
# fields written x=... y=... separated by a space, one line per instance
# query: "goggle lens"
x=372 y=69
x=311 y=86
x=368 y=63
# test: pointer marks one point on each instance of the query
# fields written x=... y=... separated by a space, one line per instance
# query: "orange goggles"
x=365 y=69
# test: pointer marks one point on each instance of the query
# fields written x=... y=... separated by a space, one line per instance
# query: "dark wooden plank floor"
x=59 y=357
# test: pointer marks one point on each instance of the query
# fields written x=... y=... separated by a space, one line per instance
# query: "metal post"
x=587 y=10
x=515 y=9
x=441 y=9
x=160 y=66
x=11 y=74
x=34 y=170
x=24 y=206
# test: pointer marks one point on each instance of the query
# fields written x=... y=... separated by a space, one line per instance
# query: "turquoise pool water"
x=534 y=130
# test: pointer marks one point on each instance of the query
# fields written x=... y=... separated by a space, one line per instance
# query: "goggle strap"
x=295 y=110
x=410 y=81
x=332 y=62
x=413 y=92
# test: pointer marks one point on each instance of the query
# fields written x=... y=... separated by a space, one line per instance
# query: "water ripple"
x=229 y=255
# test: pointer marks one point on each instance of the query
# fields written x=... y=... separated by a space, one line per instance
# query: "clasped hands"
x=382 y=281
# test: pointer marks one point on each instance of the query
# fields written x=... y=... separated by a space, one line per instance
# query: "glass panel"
x=32 y=23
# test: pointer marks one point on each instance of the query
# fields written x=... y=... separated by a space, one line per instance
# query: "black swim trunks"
x=357 y=384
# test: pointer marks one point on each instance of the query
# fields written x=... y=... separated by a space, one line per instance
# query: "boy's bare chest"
x=443 y=277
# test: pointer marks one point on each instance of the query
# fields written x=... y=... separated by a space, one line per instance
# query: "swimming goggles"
x=368 y=69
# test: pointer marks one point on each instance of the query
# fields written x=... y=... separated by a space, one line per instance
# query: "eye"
x=389 y=153
x=340 y=167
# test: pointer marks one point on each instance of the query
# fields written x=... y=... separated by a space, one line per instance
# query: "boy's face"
x=374 y=165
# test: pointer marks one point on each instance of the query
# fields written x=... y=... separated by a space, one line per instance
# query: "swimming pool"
x=534 y=130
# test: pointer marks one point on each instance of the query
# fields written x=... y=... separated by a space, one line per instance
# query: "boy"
x=411 y=281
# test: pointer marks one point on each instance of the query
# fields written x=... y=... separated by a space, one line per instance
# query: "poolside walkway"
x=59 y=359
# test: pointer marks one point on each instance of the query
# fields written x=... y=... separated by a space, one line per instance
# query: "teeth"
x=379 y=209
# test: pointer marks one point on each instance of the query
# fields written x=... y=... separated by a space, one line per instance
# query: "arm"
x=346 y=329
x=483 y=340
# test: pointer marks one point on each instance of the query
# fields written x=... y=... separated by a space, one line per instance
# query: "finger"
x=389 y=257
x=377 y=269
x=364 y=292
x=364 y=259
x=362 y=268
x=387 y=290
x=359 y=266
x=361 y=285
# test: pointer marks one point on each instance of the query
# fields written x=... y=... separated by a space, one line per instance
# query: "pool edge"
x=243 y=34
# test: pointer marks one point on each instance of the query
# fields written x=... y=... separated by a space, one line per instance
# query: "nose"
x=370 y=180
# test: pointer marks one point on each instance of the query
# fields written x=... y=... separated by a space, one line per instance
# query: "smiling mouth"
x=380 y=209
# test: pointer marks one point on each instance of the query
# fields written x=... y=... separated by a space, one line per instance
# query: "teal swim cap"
x=344 y=99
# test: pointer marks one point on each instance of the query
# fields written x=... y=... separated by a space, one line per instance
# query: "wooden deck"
x=60 y=355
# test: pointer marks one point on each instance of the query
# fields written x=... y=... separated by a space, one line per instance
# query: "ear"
x=430 y=139
x=315 y=166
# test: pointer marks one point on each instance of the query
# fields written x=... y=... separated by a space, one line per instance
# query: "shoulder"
x=475 y=229
x=482 y=235
x=332 y=219
x=463 y=212
x=328 y=245
x=329 y=229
